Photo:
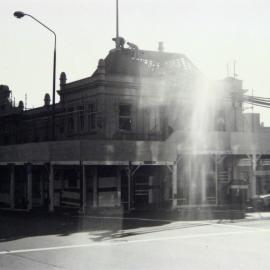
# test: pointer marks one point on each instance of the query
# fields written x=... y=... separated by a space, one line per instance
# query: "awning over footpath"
x=214 y=143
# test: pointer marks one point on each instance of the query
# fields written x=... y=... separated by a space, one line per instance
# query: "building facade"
x=144 y=131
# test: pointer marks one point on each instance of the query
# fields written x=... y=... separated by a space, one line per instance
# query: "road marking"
x=121 y=242
x=127 y=218
x=231 y=225
x=147 y=219
x=238 y=226
x=168 y=220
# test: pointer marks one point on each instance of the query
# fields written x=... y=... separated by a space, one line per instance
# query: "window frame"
x=80 y=118
x=124 y=117
x=92 y=116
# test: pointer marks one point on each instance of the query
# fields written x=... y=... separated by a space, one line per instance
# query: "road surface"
x=92 y=242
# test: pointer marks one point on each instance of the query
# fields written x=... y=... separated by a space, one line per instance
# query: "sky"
x=211 y=33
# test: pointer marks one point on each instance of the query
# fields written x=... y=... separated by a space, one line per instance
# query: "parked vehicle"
x=261 y=202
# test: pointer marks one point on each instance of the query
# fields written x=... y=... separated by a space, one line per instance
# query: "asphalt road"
x=90 y=242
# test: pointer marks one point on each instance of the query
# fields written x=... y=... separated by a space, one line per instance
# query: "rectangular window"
x=70 y=122
x=92 y=116
x=154 y=120
x=80 y=118
x=125 y=121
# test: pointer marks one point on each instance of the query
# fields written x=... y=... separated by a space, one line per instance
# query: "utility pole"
x=117 y=20
x=19 y=15
x=252 y=113
x=25 y=102
x=234 y=69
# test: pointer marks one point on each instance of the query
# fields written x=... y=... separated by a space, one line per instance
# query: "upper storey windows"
x=125 y=117
x=92 y=116
x=81 y=120
x=70 y=120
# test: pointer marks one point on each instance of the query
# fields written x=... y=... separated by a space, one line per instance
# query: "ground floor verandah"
x=88 y=185
x=201 y=180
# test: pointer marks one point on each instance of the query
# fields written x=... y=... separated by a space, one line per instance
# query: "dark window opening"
x=125 y=124
x=125 y=121
x=125 y=110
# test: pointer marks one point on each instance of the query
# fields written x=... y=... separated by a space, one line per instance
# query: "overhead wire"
x=257 y=101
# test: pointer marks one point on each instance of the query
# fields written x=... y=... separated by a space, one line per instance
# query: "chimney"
x=63 y=80
x=47 y=100
x=21 y=106
x=101 y=68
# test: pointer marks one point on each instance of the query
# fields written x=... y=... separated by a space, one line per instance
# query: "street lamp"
x=19 y=15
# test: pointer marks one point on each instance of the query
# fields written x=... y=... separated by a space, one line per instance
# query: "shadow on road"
x=17 y=225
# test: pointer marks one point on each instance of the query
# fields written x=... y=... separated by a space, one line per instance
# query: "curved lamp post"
x=19 y=15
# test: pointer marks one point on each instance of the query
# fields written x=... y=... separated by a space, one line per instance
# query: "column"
x=41 y=187
x=129 y=187
x=51 y=188
x=253 y=177
x=29 y=187
x=12 y=186
x=150 y=191
x=192 y=196
x=83 y=187
x=216 y=179
x=95 y=188
x=61 y=179
x=118 y=186
x=174 y=186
